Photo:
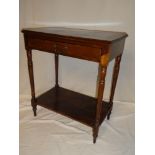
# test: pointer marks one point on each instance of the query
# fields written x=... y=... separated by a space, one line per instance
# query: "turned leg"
x=114 y=81
x=101 y=85
x=56 y=69
x=31 y=77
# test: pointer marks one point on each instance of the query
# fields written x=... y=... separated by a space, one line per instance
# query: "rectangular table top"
x=107 y=36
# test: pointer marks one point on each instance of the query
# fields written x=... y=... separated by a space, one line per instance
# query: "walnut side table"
x=91 y=45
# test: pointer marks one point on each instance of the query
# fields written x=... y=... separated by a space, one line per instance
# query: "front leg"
x=101 y=85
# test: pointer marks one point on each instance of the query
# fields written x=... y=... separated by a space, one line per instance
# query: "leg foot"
x=108 y=116
x=35 y=110
x=34 y=106
x=94 y=140
x=109 y=113
x=95 y=134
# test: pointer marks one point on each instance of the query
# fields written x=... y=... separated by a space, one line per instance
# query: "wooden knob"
x=55 y=45
x=66 y=47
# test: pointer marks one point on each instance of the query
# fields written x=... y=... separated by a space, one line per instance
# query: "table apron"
x=66 y=49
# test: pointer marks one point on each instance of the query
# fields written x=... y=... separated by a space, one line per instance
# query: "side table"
x=92 y=45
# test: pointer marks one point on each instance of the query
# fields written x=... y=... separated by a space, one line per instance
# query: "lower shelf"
x=72 y=104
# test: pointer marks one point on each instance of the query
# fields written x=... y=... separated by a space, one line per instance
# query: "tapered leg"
x=56 y=69
x=114 y=81
x=101 y=85
x=31 y=76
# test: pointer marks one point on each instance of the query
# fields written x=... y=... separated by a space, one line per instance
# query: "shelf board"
x=72 y=104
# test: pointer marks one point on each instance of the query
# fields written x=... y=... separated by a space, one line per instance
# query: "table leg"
x=31 y=77
x=114 y=81
x=102 y=74
x=56 y=69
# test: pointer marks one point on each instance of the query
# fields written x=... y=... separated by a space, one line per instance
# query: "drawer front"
x=43 y=45
x=78 y=51
x=66 y=49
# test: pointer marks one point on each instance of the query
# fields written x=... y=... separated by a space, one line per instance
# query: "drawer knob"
x=66 y=47
x=55 y=46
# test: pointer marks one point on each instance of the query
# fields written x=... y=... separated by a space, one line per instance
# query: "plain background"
x=75 y=74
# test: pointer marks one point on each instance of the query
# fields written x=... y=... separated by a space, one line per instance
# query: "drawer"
x=78 y=51
x=66 y=49
x=43 y=45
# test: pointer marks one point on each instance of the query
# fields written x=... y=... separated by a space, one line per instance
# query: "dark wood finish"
x=114 y=81
x=76 y=51
x=78 y=34
x=31 y=76
x=116 y=49
x=92 y=45
x=56 y=69
x=72 y=104
x=102 y=74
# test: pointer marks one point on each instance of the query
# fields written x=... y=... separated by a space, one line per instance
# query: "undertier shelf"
x=74 y=105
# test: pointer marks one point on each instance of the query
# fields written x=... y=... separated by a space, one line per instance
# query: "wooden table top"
x=108 y=36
